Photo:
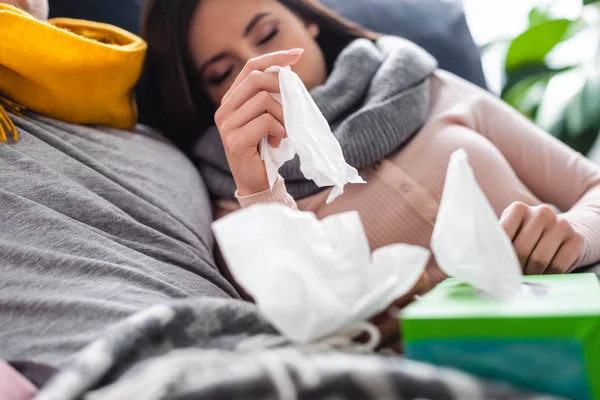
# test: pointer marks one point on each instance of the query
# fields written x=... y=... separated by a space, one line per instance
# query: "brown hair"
x=172 y=98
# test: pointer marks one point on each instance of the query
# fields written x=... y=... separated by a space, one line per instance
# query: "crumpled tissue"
x=312 y=278
x=468 y=242
x=309 y=136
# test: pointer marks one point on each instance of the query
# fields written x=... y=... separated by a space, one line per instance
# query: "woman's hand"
x=248 y=113
x=388 y=322
x=546 y=243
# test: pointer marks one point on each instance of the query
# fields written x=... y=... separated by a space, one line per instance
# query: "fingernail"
x=294 y=52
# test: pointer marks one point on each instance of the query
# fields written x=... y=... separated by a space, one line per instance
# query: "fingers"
x=388 y=323
x=275 y=141
x=567 y=256
x=241 y=149
x=256 y=82
x=544 y=252
x=255 y=130
x=280 y=58
x=260 y=104
x=529 y=235
x=543 y=241
x=248 y=114
x=512 y=219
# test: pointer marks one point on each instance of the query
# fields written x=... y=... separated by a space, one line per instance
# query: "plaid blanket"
x=223 y=349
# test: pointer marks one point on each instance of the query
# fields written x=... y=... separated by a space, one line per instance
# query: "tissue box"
x=547 y=341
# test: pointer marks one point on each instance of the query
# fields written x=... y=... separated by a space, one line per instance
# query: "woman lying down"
x=397 y=117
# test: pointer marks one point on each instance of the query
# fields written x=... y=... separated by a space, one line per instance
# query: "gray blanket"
x=222 y=349
x=96 y=224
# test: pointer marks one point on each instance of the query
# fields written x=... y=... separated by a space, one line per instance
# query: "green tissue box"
x=546 y=341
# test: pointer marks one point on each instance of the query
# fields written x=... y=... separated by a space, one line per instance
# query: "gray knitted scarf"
x=375 y=99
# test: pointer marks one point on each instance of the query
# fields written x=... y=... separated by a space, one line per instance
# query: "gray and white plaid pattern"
x=223 y=349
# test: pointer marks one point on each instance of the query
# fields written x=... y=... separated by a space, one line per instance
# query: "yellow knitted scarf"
x=74 y=71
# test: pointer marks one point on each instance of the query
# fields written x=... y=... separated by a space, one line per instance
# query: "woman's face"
x=225 y=34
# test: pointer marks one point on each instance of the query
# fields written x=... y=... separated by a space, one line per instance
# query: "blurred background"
x=542 y=57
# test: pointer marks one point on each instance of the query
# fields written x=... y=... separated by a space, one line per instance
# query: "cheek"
x=311 y=68
x=216 y=96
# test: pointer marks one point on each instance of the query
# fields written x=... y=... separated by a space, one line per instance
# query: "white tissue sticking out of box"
x=468 y=242
x=309 y=136
x=313 y=278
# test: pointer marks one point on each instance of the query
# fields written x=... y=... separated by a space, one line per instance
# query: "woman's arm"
x=555 y=173
x=249 y=113
x=224 y=207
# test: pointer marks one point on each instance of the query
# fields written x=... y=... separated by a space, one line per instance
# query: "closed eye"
x=218 y=80
x=269 y=37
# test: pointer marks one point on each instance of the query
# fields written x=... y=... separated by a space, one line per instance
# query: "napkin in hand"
x=309 y=136
x=468 y=242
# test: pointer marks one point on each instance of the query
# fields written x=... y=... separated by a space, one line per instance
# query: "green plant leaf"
x=570 y=108
x=538 y=16
x=540 y=71
x=561 y=89
x=533 y=45
x=582 y=114
x=586 y=2
x=583 y=142
x=513 y=77
x=527 y=94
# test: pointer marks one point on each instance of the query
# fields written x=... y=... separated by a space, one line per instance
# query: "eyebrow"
x=247 y=31
x=253 y=23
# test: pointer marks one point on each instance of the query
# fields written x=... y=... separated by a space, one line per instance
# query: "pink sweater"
x=13 y=385
x=513 y=160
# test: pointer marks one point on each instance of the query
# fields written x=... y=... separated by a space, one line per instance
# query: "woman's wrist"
x=278 y=194
x=580 y=221
x=248 y=191
x=250 y=177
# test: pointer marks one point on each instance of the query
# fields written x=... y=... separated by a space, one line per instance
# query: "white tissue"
x=309 y=136
x=468 y=241
x=312 y=278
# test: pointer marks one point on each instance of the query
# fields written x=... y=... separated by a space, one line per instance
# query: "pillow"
x=439 y=26
x=122 y=13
